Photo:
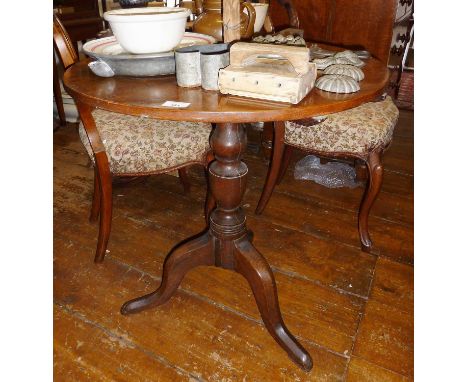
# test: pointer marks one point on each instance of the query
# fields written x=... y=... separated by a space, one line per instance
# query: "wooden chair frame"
x=102 y=195
x=281 y=157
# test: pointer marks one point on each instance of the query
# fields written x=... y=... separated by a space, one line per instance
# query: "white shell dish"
x=101 y=69
x=336 y=83
x=347 y=54
x=323 y=63
x=350 y=56
x=345 y=70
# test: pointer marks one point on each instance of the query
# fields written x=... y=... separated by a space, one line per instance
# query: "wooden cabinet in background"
x=84 y=21
x=358 y=24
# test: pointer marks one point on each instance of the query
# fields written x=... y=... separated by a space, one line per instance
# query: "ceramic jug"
x=210 y=20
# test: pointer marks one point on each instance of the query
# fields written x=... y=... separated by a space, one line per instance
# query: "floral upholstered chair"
x=361 y=133
x=134 y=146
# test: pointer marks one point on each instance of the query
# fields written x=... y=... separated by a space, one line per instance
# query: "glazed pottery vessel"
x=210 y=20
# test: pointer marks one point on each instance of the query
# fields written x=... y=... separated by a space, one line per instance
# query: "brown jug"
x=210 y=20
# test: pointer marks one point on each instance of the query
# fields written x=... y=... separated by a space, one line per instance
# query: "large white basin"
x=148 y=30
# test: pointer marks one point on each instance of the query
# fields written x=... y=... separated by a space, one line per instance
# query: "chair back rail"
x=63 y=45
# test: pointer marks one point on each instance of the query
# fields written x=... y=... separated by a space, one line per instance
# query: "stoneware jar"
x=199 y=65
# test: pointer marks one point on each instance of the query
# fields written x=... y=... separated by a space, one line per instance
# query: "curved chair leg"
x=361 y=170
x=96 y=198
x=288 y=150
x=105 y=212
x=196 y=252
x=102 y=170
x=184 y=179
x=253 y=266
x=274 y=169
x=374 y=183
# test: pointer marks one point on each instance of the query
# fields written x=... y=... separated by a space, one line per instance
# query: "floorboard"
x=352 y=310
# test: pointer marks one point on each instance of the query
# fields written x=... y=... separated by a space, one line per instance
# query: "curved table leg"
x=253 y=266
x=227 y=243
x=196 y=252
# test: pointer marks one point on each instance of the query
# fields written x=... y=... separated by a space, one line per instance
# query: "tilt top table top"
x=226 y=242
x=145 y=95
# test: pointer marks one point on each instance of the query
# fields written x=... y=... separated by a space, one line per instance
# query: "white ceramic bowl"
x=148 y=30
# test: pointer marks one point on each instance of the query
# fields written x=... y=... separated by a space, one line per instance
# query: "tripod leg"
x=253 y=266
x=196 y=252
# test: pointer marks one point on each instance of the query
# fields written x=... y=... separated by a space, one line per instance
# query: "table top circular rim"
x=143 y=96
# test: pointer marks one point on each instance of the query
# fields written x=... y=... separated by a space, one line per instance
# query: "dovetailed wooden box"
x=275 y=73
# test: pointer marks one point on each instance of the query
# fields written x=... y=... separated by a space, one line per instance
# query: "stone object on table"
x=323 y=63
x=336 y=83
x=317 y=51
x=351 y=56
x=345 y=70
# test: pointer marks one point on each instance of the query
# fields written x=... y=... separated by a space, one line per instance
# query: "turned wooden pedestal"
x=227 y=243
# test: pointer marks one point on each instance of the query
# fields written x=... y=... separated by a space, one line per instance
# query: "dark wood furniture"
x=102 y=197
x=361 y=24
x=83 y=23
x=227 y=242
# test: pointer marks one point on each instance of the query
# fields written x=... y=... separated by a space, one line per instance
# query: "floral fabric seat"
x=356 y=131
x=145 y=145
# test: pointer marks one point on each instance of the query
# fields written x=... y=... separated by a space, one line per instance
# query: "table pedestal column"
x=227 y=244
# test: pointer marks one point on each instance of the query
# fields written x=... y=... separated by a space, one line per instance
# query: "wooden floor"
x=353 y=311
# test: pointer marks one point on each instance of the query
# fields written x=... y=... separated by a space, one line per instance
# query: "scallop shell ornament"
x=101 y=69
x=346 y=54
x=336 y=83
x=323 y=63
x=345 y=70
x=350 y=56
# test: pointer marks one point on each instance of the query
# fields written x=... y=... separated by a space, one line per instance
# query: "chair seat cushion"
x=145 y=145
x=355 y=131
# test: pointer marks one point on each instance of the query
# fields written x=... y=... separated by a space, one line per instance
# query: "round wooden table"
x=227 y=243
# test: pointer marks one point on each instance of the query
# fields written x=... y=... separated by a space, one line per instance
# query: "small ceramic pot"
x=189 y=70
x=210 y=63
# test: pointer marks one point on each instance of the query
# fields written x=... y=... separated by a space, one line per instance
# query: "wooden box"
x=276 y=73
